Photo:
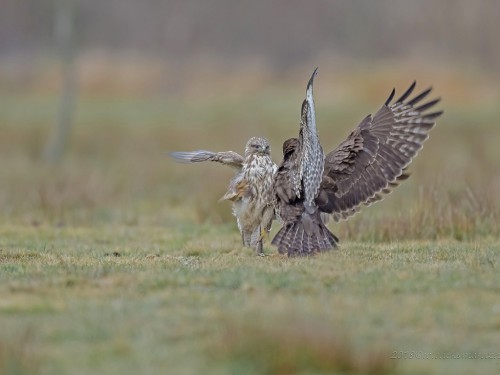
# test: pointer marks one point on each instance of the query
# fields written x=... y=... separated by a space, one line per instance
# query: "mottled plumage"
x=308 y=187
x=360 y=171
x=297 y=184
x=250 y=190
x=310 y=154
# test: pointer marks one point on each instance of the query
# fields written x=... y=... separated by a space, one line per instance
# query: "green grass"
x=119 y=261
x=121 y=299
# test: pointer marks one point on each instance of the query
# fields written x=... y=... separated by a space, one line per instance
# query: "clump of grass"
x=464 y=214
x=292 y=346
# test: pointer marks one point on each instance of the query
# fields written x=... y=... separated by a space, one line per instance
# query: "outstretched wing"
x=373 y=158
x=237 y=185
x=229 y=158
x=308 y=171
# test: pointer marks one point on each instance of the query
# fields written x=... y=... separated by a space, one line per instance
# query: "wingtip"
x=390 y=96
x=311 y=80
x=178 y=156
x=184 y=157
x=412 y=87
x=407 y=93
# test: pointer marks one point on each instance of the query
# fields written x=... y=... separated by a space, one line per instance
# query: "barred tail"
x=306 y=236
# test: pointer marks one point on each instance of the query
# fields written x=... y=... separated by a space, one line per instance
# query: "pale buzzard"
x=250 y=190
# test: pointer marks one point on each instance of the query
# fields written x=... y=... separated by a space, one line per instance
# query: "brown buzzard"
x=310 y=186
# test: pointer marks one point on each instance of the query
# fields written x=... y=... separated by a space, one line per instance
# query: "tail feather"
x=295 y=240
x=280 y=238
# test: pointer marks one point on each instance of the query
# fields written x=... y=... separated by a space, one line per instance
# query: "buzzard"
x=250 y=189
x=309 y=187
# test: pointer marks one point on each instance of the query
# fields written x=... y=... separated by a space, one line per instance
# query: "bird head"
x=289 y=147
x=257 y=145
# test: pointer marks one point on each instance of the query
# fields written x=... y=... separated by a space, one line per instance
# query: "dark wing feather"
x=373 y=158
x=284 y=178
x=229 y=158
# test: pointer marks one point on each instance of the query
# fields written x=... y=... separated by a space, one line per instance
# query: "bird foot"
x=260 y=249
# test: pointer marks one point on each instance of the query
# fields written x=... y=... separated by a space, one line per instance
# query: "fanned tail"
x=306 y=236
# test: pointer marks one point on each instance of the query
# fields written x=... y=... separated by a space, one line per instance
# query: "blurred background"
x=94 y=94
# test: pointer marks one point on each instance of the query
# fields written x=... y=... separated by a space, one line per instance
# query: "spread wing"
x=373 y=158
x=307 y=167
x=229 y=158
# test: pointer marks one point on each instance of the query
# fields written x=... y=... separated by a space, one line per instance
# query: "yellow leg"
x=264 y=234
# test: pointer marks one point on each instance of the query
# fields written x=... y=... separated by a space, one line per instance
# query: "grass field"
x=119 y=261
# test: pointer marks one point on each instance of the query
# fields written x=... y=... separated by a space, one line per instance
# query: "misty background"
x=280 y=33
x=113 y=257
x=94 y=94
